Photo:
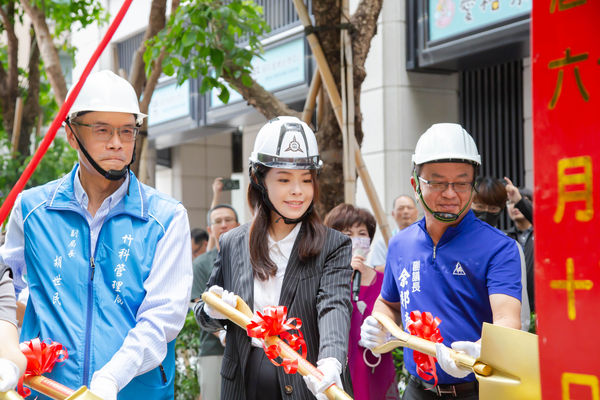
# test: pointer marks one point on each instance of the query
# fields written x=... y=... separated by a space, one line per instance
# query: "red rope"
x=62 y=114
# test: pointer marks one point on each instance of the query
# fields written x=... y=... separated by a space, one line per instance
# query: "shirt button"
x=288 y=389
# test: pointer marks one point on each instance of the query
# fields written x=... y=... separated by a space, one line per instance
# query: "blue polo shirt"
x=452 y=280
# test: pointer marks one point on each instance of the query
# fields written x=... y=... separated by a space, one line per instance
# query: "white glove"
x=222 y=335
x=104 y=386
x=445 y=361
x=331 y=369
x=228 y=297
x=9 y=375
x=372 y=333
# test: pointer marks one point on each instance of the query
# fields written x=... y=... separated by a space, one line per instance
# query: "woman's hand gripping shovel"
x=51 y=389
x=508 y=367
x=242 y=316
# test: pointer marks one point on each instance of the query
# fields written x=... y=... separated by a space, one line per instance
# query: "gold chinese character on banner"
x=571 y=285
x=565 y=4
x=561 y=63
x=582 y=193
x=569 y=379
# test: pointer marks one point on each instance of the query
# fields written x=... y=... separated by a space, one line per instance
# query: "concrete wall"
x=195 y=166
x=527 y=124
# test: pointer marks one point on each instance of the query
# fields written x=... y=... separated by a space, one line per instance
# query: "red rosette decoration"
x=41 y=357
x=273 y=321
x=425 y=326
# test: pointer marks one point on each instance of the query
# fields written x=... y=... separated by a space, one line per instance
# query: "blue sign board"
x=281 y=66
x=448 y=18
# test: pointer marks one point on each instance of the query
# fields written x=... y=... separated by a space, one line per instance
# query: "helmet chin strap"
x=111 y=174
x=265 y=197
x=440 y=216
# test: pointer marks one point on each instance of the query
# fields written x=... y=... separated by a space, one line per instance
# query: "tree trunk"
x=48 y=51
x=145 y=86
x=327 y=14
x=156 y=22
x=9 y=85
x=31 y=109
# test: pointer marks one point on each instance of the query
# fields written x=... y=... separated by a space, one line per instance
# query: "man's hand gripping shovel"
x=51 y=389
x=508 y=367
x=242 y=316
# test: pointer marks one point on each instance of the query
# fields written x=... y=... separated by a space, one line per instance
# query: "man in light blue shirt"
x=106 y=258
x=405 y=213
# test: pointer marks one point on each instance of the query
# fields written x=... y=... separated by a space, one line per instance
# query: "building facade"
x=416 y=76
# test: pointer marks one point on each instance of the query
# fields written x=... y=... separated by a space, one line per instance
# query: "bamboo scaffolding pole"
x=16 y=132
x=336 y=102
x=347 y=109
x=311 y=98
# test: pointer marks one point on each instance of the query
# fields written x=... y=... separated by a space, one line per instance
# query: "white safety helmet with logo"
x=287 y=143
x=108 y=92
x=444 y=142
x=105 y=91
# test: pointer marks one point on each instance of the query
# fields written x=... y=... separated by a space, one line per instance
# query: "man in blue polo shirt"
x=450 y=263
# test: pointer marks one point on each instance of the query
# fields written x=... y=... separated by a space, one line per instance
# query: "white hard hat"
x=286 y=142
x=446 y=142
x=106 y=91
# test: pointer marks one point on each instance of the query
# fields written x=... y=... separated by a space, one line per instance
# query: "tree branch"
x=258 y=97
x=31 y=107
x=156 y=70
x=156 y=22
x=48 y=51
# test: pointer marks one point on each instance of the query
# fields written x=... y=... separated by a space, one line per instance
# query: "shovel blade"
x=515 y=358
x=83 y=393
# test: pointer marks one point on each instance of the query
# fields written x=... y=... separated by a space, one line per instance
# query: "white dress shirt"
x=266 y=293
x=162 y=313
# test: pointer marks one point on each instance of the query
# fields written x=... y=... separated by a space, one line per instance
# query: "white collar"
x=286 y=244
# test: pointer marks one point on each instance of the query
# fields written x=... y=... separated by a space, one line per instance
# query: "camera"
x=231 y=184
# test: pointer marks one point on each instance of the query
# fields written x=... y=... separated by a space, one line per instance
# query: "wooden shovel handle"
x=426 y=346
x=242 y=316
x=52 y=389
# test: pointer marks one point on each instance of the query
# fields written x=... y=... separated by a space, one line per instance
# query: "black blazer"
x=317 y=291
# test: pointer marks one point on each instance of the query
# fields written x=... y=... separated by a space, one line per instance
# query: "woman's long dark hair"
x=313 y=231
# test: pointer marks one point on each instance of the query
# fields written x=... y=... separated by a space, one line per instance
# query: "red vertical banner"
x=566 y=105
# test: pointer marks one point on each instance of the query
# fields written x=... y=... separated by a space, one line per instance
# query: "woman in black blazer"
x=285 y=256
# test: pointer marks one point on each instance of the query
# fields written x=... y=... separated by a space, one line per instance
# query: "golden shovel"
x=51 y=389
x=242 y=316
x=508 y=367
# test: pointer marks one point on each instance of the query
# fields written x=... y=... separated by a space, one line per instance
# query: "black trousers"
x=415 y=390
x=261 y=377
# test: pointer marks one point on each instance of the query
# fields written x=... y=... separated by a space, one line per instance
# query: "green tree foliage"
x=186 y=348
x=59 y=159
x=68 y=15
x=202 y=40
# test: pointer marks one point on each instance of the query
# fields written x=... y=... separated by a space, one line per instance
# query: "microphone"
x=356 y=275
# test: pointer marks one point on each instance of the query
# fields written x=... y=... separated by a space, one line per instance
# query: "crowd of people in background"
x=114 y=267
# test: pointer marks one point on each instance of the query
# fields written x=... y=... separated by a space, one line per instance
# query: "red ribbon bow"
x=272 y=322
x=426 y=327
x=41 y=358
